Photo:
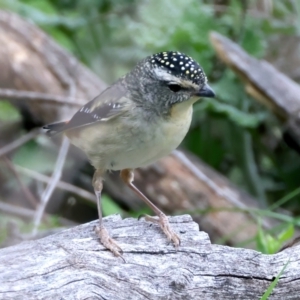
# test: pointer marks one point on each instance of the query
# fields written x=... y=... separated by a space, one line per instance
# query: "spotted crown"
x=180 y=65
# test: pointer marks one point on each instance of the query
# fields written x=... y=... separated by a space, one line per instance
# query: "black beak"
x=206 y=92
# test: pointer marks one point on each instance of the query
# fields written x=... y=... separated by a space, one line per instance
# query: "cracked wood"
x=73 y=265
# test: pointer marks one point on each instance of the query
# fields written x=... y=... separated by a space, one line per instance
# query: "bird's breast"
x=151 y=141
x=132 y=141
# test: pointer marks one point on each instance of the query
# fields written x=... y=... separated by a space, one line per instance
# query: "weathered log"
x=31 y=61
x=73 y=265
x=262 y=81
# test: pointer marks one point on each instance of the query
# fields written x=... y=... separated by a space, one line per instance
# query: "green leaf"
x=285 y=199
x=265 y=242
x=228 y=88
x=287 y=234
x=8 y=112
x=261 y=243
x=274 y=283
x=31 y=155
x=140 y=212
x=60 y=37
x=273 y=245
x=240 y=118
x=268 y=244
x=43 y=6
x=253 y=42
x=109 y=207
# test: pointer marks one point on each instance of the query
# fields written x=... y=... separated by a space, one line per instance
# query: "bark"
x=73 y=265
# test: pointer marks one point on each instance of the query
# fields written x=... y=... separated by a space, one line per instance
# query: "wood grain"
x=73 y=265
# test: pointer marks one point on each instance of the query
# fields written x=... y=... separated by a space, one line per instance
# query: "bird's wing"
x=109 y=104
x=106 y=106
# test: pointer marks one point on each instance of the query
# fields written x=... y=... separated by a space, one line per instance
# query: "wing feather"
x=109 y=104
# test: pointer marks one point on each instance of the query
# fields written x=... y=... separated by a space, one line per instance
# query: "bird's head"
x=168 y=78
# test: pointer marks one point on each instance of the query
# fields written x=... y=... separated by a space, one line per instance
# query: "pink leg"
x=100 y=230
x=127 y=175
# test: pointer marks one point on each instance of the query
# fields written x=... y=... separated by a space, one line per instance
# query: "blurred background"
x=235 y=135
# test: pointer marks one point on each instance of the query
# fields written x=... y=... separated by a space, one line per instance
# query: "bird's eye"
x=174 y=87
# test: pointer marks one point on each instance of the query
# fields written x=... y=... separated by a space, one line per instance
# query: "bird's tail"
x=53 y=129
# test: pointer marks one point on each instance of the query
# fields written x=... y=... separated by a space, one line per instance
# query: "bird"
x=139 y=119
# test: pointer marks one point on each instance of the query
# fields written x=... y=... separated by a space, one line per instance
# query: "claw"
x=108 y=242
x=164 y=224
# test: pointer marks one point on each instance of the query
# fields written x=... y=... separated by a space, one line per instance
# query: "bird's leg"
x=100 y=230
x=127 y=176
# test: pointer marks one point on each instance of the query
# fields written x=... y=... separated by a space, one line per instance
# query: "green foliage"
x=141 y=212
x=8 y=221
x=8 y=113
x=236 y=116
x=30 y=156
x=285 y=199
x=109 y=206
x=268 y=244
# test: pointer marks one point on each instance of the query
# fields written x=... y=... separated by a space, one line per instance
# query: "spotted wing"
x=104 y=107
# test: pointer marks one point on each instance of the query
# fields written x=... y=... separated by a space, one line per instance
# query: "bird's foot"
x=164 y=224
x=107 y=241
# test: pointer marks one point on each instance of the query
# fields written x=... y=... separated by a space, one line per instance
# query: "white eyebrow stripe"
x=165 y=75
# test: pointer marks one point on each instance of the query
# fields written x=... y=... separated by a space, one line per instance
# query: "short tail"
x=53 y=129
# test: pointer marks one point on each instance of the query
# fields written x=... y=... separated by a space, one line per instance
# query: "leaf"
x=8 y=112
x=140 y=212
x=235 y=115
x=287 y=234
x=31 y=155
x=274 y=283
x=265 y=242
x=273 y=245
x=109 y=207
x=228 y=88
x=261 y=243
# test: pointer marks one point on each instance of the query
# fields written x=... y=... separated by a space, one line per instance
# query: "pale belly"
x=128 y=147
x=155 y=143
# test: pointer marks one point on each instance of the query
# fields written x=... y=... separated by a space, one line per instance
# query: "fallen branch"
x=262 y=81
x=39 y=97
x=73 y=265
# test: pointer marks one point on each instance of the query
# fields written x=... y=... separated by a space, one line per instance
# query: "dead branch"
x=262 y=81
x=73 y=265
x=64 y=148
x=60 y=184
x=19 y=142
x=6 y=94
